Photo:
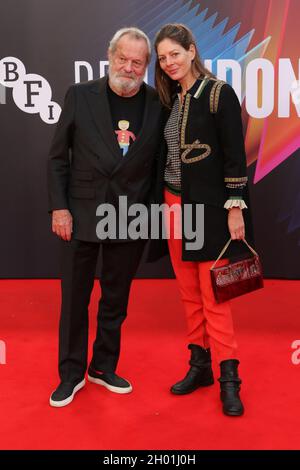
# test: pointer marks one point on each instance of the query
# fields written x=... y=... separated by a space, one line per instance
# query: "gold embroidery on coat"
x=195 y=145
x=243 y=179
x=215 y=96
x=184 y=119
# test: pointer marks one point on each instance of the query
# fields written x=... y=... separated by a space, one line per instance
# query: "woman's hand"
x=236 y=224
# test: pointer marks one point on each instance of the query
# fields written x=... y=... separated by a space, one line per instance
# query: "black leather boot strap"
x=230 y=379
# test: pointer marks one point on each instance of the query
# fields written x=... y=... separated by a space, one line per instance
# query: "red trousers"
x=209 y=324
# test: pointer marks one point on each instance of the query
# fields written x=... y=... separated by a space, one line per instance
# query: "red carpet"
x=153 y=357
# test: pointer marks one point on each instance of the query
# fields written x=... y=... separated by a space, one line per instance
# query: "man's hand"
x=62 y=223
x=236 y=223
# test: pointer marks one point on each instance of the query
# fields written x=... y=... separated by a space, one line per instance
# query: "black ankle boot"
x=230 y=387
x=200 y=373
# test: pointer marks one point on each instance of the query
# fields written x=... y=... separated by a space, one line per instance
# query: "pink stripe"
x=261 y=169
x=290 y=148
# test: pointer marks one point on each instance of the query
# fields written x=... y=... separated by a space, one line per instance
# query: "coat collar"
x=99 y=106
x=197 y=88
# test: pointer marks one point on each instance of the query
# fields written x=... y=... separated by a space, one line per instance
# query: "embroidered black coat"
x=213 y=167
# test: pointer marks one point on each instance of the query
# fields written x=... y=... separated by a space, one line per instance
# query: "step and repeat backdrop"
x=47 y=45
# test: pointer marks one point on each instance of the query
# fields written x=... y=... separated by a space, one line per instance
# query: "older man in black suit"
x=105 y=146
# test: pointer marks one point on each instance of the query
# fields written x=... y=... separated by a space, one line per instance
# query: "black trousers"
x=119 y=265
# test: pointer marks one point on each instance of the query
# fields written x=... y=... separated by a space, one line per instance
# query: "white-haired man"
x=98 y=172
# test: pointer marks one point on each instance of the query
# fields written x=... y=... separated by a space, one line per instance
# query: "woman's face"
x=174 y=60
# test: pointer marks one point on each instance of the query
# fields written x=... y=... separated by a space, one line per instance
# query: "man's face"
x=127 y=65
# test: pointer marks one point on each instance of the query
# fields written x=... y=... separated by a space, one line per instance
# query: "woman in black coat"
x=203 y=170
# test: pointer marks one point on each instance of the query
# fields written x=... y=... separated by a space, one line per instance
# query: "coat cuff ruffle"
x=235 y=203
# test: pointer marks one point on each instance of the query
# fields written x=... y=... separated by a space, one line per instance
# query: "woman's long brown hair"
x=184 y=37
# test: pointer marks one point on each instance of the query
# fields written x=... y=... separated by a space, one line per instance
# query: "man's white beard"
x=125 y=86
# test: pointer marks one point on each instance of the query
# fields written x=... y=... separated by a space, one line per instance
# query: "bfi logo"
x=31 y=92
x=2 y=352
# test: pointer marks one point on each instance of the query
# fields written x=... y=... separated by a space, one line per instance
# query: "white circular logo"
x=12 y=70
x=50 y=113
x=32 y=93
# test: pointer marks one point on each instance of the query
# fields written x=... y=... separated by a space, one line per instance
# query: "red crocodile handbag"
x=237 y=278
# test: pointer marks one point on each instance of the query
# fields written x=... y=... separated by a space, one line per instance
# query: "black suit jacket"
x=85 y=167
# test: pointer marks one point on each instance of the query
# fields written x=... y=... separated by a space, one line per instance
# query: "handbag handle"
x=227 y=245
